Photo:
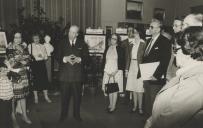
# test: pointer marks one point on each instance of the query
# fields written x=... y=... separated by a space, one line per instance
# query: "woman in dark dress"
x=40 y=78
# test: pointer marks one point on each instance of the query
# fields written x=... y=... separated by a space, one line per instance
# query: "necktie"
x=148 y=47
x=72 y=43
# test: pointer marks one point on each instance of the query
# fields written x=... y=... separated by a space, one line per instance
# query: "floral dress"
x=19 y=58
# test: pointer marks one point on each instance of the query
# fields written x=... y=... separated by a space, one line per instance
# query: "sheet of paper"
x=148 y=69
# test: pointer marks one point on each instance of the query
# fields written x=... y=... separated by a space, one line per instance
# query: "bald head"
x=73 y=32
x=192 y=20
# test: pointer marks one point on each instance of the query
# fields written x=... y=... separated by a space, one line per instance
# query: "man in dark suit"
x=158 y=49
x=72 y=56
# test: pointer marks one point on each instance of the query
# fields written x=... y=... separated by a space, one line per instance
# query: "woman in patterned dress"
x=19 y=59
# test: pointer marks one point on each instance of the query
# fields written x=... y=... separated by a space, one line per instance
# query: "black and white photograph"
x=101 y=63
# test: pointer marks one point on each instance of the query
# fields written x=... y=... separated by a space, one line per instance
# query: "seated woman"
x=179 y=104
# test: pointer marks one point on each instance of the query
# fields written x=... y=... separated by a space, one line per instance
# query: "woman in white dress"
x=134 y=54
x=113 y=71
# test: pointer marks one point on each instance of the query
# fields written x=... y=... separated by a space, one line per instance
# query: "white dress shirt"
x=152 y=42
x=49 y=48
x=38 y=51
x=72 y=42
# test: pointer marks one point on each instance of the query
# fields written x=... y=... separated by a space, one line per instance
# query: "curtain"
x=8 y=13
x=84 y=13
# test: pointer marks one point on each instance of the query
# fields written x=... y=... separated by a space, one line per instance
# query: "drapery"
x=84 y=13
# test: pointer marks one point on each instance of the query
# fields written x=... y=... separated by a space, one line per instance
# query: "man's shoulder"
x=162 y=37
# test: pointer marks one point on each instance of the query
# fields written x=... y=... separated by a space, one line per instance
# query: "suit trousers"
x=151 y=90
x=69 y=89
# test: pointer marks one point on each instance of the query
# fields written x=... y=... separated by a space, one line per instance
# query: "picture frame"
x=134 y=9
x=3 y=43
x=159 y=13
x=96 y=43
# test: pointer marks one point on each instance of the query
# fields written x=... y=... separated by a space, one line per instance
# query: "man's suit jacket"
x=128 y=55
x=160 y=51
x=68 y=72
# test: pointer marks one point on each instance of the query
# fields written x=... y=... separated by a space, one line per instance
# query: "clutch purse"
x=111 y=87
x=14 y=77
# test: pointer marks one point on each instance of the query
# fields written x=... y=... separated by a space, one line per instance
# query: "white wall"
x=113 y=11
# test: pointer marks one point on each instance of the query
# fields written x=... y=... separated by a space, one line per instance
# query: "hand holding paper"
x=148 y=69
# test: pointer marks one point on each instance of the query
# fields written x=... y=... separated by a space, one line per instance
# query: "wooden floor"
x=44 y=115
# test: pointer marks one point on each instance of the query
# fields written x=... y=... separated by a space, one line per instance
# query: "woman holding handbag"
x=113 y=71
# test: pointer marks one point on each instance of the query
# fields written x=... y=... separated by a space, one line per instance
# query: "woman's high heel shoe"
x=48 y=100
x=27 y=120
x=111 y=111
x=141 y=111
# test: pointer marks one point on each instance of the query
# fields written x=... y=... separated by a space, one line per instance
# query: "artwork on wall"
x=134 y=9
x=3 y=42
x=96 y=43
x=159 y=14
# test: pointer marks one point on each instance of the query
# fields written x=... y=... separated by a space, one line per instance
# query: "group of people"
x=173 y=95
x=21 y=59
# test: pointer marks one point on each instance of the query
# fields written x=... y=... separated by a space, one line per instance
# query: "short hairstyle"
x=118 y=38
x=158 y=22
x=74 y=26
x=194 y=19
x=179 y=18
x=192 y=42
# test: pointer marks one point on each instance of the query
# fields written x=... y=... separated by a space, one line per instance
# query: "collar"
x=74 y=41
x=155 y=38
x=136 y=43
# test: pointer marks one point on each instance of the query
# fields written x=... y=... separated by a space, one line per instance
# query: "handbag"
x=111 y=87
x=14 y=77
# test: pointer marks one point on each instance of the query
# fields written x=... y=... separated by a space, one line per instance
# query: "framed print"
x=96 y=43
x=3 y=42
x=134 y=9
x=159 y=14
